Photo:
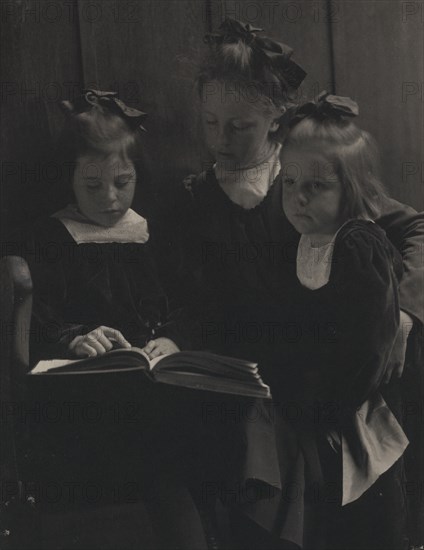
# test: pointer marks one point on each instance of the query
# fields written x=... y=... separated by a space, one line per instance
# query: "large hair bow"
x=326 y=106
x=109 y=100
x=275 y=54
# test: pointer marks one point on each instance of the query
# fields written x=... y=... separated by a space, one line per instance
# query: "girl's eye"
x=316 y=185
x=210 y=122
x=122 y=182
x=289 y=182
x=240 y=126
x=94 y=184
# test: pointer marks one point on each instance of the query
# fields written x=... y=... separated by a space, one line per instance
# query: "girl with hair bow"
x=346 y=279
x=99 y=290
x=238 y=246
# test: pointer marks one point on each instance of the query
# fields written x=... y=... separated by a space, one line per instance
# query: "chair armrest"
x=15 y=319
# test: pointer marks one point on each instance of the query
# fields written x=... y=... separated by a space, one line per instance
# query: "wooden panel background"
x=147 y=50
x=150 y=54
x=379 y=60
x=39 y=66
x=303 y=25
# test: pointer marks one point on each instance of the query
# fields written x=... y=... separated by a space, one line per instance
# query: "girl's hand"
x=394 y=368
x=160 y=346
x=97 y=342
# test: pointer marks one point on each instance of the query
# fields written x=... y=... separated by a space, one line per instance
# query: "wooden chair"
x=18 y=525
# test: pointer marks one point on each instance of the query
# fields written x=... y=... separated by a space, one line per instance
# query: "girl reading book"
x=94 y=279
x=95 y=287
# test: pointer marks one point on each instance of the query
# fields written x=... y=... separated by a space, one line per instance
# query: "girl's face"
x=237 y=130
x=312 y=192
x=104 y=187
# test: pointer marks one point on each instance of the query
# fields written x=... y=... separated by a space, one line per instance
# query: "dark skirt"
x=120 y=432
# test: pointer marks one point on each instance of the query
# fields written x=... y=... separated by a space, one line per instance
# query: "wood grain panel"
x=39 y=68
x=148 y=53
x=379 y=61
x=301 y=24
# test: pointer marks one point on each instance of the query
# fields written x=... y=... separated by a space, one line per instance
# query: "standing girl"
x=235 y=239
x=237 y=243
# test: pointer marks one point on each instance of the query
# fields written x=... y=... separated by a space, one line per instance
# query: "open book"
x=191 y=369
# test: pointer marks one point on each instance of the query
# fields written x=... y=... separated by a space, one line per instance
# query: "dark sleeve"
x=405 y=229
x=191 y=231
x=168 y=322
x=180 y=264
x=367 y=317
x=46 y=251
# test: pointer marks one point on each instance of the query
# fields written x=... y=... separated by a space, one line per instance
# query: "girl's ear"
x=275 y=125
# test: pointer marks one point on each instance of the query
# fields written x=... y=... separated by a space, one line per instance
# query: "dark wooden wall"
x=147 y=50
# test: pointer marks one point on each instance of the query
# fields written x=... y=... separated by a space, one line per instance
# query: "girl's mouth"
x=299 y=215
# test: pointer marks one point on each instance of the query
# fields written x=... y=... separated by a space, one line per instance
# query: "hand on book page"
x=97 y=342
x=160 y=346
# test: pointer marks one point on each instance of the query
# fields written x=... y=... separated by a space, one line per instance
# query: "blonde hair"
x=100 y=131
x=354 y=156
x=237 y=62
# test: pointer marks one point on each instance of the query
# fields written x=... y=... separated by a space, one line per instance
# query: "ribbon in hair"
x=276 y=54
x=109 y=100
x=326 y=106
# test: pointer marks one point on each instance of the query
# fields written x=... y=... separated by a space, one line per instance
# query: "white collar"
x=313 y=264
x=131 y=228
x=247 y=187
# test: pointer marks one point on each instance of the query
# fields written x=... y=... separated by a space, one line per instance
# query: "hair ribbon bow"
x=109 y=100
x=276 y=54
x=326 y=106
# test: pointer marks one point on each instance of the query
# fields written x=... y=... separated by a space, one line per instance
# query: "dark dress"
x=237 y=258
x=243 y=279
x=106 y=438
x=78 y=287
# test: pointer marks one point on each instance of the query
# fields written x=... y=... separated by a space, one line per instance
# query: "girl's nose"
x=302 y=199
x=110 y=195
x=222 y=138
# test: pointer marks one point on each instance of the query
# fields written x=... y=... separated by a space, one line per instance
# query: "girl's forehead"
x=110 y=159
x=233 y=100
x=312 y=159
x=314 y=151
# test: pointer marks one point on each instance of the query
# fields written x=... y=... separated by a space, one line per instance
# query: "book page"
x=156 y=360
x=45 y=366
x=101 y=363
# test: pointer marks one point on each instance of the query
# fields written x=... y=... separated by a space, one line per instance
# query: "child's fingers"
x=85 y=350
x=116 y=336
x=77 y=340
x=92 y=340
x=91 y=344
x=155 y=353
x=102 y=339
x=150 y=346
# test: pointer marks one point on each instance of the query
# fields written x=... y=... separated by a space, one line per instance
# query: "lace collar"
x=313 y=264
x=131 y=228
x=247 y=187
